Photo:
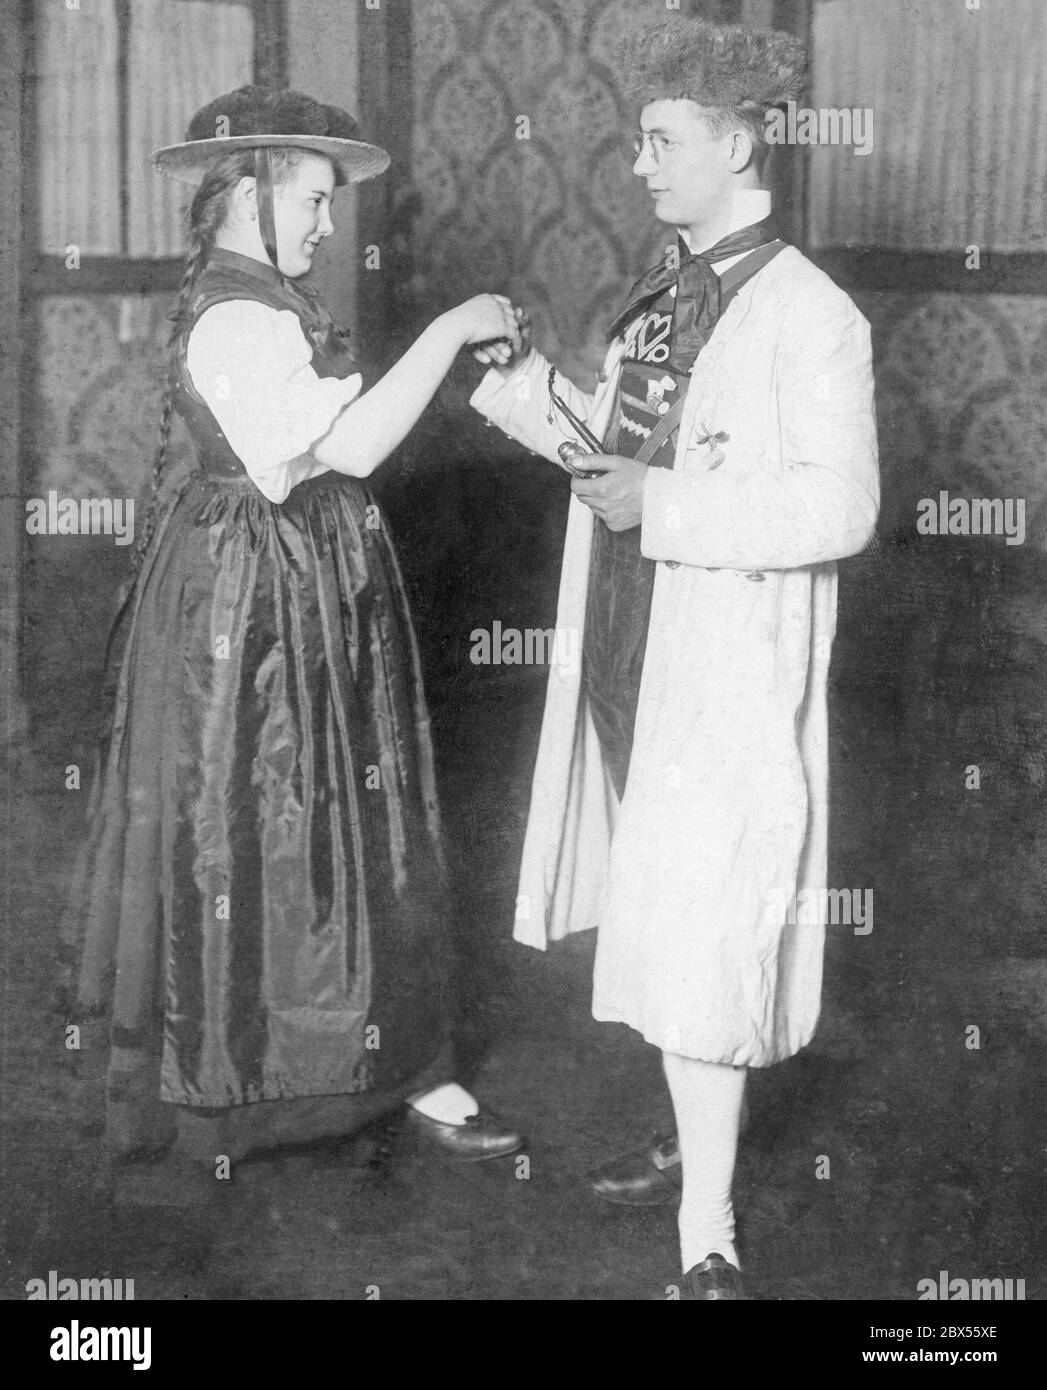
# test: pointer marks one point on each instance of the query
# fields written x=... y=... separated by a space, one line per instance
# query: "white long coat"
x=723 y=821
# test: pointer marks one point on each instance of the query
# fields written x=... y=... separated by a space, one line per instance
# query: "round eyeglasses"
x=660 y=145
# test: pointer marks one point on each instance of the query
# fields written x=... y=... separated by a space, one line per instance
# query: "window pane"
x=959 y=151
x=183 y=53
x=78 y=128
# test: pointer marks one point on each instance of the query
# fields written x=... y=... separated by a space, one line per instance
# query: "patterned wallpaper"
x=959 y=385
x=959 y=390
x=556 y=220
x=102 y=361
x=96 y=401
x=560 y=222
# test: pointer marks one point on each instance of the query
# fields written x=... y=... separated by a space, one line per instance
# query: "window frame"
x=47 y=274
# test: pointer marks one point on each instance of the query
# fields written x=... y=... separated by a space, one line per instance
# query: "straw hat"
x=260 y=117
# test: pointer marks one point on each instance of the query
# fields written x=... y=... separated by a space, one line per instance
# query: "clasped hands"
x=616 y=496
x=505 y=353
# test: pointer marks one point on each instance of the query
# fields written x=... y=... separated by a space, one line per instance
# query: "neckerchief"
x=697 y=307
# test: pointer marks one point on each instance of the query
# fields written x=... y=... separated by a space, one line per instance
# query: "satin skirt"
x=258 y=912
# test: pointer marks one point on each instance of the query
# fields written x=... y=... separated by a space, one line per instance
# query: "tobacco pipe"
x=569 y=453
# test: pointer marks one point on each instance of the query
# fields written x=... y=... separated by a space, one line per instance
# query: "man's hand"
x=617 y=495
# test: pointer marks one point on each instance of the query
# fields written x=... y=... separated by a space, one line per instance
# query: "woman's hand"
x=368 y=430
x=503 y=355
x=486 y=319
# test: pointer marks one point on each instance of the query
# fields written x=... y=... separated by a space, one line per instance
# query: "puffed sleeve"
x=253 y=366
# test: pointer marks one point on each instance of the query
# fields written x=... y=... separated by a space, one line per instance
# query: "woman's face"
x=302 y=213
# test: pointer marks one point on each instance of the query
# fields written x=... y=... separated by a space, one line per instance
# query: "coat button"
x=757 y=576
x=672 y=564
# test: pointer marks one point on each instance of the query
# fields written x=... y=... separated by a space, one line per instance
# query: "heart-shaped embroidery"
x=652 y=343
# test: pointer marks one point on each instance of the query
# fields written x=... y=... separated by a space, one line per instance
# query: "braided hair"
x=207 y=212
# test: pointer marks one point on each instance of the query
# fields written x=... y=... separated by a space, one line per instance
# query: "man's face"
x=686 y=169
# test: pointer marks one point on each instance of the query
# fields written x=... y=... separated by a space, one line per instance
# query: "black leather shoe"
x=712 y=1278
x=482 y=1136
x=651 y=1178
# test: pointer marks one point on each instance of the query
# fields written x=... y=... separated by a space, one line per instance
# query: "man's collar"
x=748 y=205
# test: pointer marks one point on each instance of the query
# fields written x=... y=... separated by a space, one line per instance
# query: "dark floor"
x=937 y=1150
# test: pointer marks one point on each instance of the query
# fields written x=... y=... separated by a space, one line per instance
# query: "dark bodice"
x=226 y=276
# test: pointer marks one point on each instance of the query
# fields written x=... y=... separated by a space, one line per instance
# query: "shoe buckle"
x=665 y=1156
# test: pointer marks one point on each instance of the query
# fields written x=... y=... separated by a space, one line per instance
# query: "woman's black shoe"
x=482 y=1136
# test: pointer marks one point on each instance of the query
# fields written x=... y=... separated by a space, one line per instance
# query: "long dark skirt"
x=259 y=909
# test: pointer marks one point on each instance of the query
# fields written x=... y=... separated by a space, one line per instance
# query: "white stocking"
x=707 y=1098
x=449 y=1103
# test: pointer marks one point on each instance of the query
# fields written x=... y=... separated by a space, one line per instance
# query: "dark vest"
x=228 y=275
x=621 y=578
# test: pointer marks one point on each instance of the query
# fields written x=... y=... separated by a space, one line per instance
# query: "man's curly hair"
x=735 y=74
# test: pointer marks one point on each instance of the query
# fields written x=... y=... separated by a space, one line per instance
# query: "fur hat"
x=713 y=65
x=254 y=117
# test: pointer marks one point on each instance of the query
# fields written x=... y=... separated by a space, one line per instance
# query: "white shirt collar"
x=748 y=205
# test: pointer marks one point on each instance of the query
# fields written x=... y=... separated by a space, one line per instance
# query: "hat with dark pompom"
x=259 y=117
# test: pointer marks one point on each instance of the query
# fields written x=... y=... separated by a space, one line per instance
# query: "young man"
x=680 y=793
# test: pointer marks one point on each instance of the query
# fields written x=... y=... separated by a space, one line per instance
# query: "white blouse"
x=253 y=366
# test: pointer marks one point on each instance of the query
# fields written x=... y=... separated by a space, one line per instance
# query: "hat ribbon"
x=263 y=179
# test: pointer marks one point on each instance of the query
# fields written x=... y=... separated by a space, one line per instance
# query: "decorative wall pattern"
x=559 y=222
x=91 y=433
x=959 y=382
x=959 y=392
x=556 y=220
x=103 y=359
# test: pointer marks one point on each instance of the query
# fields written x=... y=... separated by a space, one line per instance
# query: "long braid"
x=196 y=258
x=207 y=212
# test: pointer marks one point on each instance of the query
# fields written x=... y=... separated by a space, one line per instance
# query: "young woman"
x=260 y=902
